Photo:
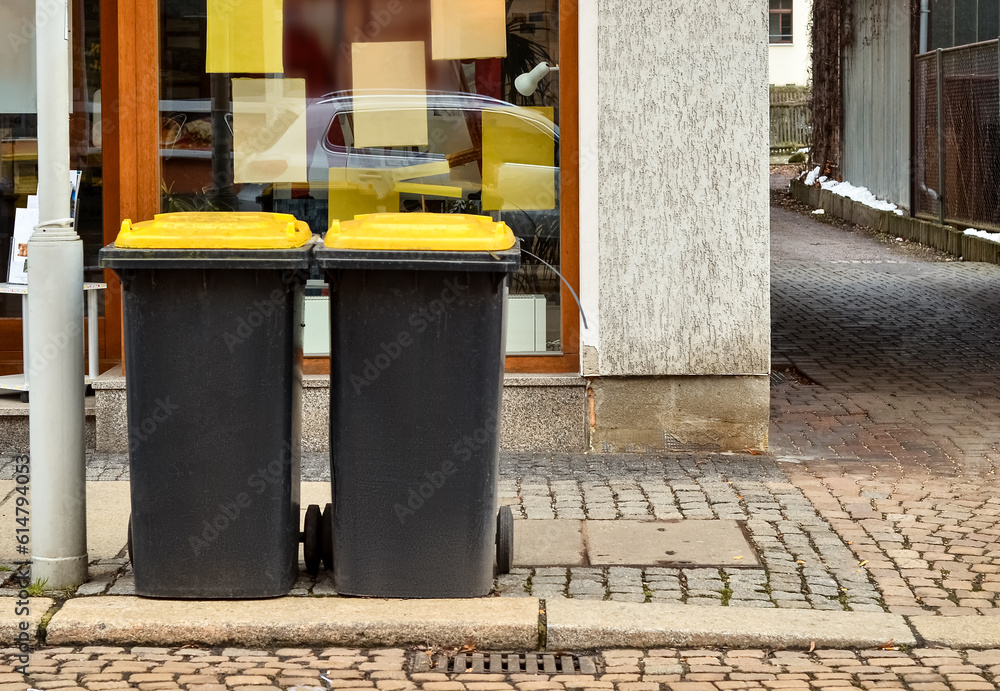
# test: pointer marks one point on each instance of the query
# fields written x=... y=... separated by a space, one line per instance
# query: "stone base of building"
x=14 y=438
x=698 y=413
x=541 y=413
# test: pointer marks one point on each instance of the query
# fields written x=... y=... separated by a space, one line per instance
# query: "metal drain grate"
x=502 y=663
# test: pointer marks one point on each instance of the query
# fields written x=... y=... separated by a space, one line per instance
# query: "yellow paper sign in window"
x=245 y=36
x=269 y=130
x=390 y=94
x=467 y=29
x=519 y=159
x=355 y=191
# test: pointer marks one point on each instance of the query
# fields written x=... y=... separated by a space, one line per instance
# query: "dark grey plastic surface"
x=213 y=363
x=416 y=375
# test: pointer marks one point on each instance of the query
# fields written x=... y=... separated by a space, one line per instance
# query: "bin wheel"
x=326 y=536
x=310 y=540
x=505 y=540
x=24 y=397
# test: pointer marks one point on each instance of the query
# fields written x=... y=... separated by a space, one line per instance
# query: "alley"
x=886 y=406
x=900 y=351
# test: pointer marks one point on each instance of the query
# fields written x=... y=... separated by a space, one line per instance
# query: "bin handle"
x=565 y=282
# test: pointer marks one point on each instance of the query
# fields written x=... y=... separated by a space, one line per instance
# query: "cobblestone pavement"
x=163 y=669
x=889 y=401
x=806 y=565
x=931 y=538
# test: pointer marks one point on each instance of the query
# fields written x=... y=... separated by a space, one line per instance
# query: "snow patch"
x=859 y=194
x=811 y=177
x=984 y=234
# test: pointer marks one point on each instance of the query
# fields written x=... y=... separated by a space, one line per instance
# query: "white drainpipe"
x=925 y=13
x=55 y=327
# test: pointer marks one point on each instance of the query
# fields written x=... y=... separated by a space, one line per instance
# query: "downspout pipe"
x=925 y=13
x=55 y=327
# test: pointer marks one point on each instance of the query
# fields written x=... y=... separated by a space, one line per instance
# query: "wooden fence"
x=791 y=128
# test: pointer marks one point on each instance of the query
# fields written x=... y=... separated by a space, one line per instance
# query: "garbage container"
x=417 y=320
x=212 y=306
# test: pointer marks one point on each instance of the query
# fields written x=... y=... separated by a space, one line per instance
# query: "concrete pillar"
x=675 y=236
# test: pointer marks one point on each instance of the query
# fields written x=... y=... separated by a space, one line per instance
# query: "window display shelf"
x=19 y=382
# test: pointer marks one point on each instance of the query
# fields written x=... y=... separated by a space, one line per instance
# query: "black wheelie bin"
x=212 y=306
x=417 y=319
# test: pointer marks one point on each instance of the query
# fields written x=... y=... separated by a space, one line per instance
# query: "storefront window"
x=330 y=108
x=18 y=134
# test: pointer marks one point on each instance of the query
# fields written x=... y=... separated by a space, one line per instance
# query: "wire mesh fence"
x=957 y=134
x=925 y=126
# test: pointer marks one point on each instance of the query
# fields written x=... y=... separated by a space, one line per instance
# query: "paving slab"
x=669 y=543
x=491 y=623
x=548 y=543
x=314 y=493
x=108 y=508
x=573 y=625
x=107 y=519
x=15 y=618
x=968 y=632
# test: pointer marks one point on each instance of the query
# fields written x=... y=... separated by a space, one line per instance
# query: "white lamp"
x=527 y=83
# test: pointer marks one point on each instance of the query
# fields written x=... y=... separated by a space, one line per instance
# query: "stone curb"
x=16 y=618
x=575 y=625
x=488 y=624
x=945 y=238
x=976 y=633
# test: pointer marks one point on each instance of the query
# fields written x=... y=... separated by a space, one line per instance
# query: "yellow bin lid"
x=239 y=230
x=421 y=231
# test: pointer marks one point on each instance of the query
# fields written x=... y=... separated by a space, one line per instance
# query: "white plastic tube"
x=53 y=60
x=55 y=326
x=56 y=412
x=925 y=12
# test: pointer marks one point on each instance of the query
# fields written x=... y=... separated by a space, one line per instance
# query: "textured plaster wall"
x=683 y=201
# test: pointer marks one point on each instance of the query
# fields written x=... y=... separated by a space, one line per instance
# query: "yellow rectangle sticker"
x=519 y=169
x=390 y=94
x=269 y=130
x=245 y=36
x=468 y=29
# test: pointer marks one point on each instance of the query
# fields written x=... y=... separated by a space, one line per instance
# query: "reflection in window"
x=381 y=106
x=18 y=130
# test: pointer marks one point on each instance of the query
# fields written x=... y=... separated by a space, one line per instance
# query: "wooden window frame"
x=771 y=13
x=130 y=112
